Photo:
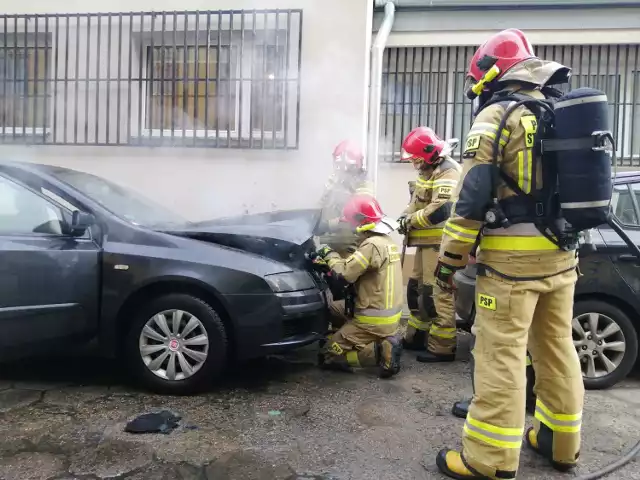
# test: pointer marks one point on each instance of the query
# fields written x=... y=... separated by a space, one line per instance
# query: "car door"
x=49 y=281
x=625 y=203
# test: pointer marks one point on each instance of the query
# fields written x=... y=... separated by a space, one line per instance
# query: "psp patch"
x=487 y=301
x=337 y=349
x=473 y=143
x=445 y=192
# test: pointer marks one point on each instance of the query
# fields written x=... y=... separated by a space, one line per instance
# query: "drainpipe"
x=375 y=89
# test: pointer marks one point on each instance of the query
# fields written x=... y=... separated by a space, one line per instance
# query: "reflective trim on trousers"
x=352 y=358
x=372 y=316
x=442 y=332
x=418 y=324
x=558 y=422
x=456 y=232
x=516 y=243
x=492 y=435
x=427 y=232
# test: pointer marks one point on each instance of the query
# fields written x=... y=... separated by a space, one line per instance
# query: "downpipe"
x=375 y=90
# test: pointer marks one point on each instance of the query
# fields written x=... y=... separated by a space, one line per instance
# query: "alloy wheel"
x=174 y=344
x=600 y=344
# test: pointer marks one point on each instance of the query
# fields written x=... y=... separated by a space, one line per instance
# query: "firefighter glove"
x=323 y=252
x=405 y=223
x=444 y=276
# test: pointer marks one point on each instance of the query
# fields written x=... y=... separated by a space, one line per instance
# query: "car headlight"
x=290 y=281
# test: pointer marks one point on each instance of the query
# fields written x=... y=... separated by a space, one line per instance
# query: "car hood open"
x=284 y=235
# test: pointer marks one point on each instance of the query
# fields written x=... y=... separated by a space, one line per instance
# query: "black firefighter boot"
x=430 y=357
x=461 y=408
x=388 y=353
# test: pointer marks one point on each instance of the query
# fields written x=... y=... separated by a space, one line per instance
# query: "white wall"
x=210 y=182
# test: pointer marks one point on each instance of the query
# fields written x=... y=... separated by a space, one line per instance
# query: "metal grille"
x=227 y=79
x=425 y=86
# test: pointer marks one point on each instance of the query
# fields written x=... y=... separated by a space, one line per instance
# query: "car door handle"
x=628 y=258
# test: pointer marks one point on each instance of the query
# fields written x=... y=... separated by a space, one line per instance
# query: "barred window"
x=23 y=73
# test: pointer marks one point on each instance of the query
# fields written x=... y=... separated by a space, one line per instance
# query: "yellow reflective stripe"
x=352 y=358
x=389 y=287
x=422 y=181
x=378 y=320
x=442 y=332
x=428 y=232
x=361 y=259
x=516 y=243
x=525 y=167
x=421 y=219
x=493 y=435
x=528 y=361
x=489 y=130
x=558 y=422
x=418 y=324
x=460 y=233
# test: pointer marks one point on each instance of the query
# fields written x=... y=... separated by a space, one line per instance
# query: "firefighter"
x=369 y=338
x=422 y=223
x=525 y=283
x=348 y=178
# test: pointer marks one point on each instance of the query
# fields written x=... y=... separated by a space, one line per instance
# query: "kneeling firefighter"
x=348 y=178
x=422 y=223
x=536 y=174
x=369 y=338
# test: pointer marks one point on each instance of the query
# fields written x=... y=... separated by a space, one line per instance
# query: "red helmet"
x=363 y=213
x=423 y=145
x=504 y=50
x=347 y=155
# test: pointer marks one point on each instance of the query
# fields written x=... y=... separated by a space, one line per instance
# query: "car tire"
x=209 y=329
x=628 y=359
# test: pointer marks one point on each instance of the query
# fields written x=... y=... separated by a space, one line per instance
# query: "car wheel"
x=176 y=344
x=606 y=341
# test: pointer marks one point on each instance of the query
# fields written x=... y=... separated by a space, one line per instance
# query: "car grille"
x=302 y=325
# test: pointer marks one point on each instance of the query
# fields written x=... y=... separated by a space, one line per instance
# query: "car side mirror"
x=80 y=222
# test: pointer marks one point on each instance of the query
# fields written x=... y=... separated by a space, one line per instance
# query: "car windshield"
x=120 y=201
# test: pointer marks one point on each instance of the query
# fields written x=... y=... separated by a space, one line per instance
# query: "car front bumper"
x=283 y=321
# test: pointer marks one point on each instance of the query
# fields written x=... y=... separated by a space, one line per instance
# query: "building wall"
x=205 y=182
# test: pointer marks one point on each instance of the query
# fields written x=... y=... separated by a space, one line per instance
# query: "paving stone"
x=110 y=459
x=31 y=466
x=16 y=398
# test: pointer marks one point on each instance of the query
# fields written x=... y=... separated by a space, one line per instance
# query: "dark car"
x=83 y=259
x=607 y=298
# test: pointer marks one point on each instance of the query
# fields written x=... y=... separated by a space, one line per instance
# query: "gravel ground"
x=276 y=419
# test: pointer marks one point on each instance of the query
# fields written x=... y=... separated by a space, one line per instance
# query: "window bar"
x=163 y=60
x=5 y=96
x=45 y=121
x=403 y=101
x=119 y=81
x=55 y=82
x=634 y=104
x=599 y=82
x=97 y=117
x=141 y=81
x=616 y=118
x=229 y=80
x=275 y=82
x=36 y=53
x=412 y=86
x=299 y=81
x=285 y=82
x=580 y=75
x=206 y=77
x=252 y=78
x=25 y=80
x=571 y=52
x=66 y=83
x=174 y=77
x=196 y=79
x=185 y=91
x=217 y=115
x=149 y=83
x=438 y=128
x=263 y=81
x=624 y=105
x=589 y=61
x=129 y=79
x=387 y=91
x=445 y=103
x=421 y=80
x=241 y=84
x=77 y=80
x=395 y=140
x=87 y=82
x=455 y=99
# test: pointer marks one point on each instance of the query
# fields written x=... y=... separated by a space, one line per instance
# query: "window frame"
x=46 y=199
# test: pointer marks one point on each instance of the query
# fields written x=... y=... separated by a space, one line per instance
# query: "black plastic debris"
x=160 y=422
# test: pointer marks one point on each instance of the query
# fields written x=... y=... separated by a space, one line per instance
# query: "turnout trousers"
x=432 y=319
x=511 y=315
